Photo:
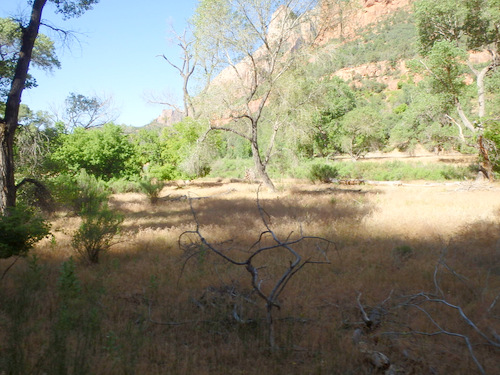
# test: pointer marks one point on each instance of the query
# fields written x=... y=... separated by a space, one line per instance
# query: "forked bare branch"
x=269 y=291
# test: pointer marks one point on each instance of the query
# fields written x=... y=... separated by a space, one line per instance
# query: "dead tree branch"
x=268 y=291
x=422 y=301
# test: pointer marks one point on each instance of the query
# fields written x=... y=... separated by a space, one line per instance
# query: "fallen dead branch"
x=440 y=313
x=437 y=310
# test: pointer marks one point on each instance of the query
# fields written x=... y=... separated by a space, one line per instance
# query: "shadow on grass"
x=224 y=210
x=131 y=292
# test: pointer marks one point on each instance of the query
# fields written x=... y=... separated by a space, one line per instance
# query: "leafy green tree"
x=447 y=30
x=418 y=117
x=103 y=152
x=312 y=102
x=44 y=56
x=177 y=144
x=177 y=151
x=25 y=54
x=360 y=131
x=147 y=145
x=336 y=100
x=254 y=42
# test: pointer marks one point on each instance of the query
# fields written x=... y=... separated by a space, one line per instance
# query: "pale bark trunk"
x=485 y=166
x=480 y=75
x=464 y=118
x=10 y=123
x=481 y=91
x=260 y=168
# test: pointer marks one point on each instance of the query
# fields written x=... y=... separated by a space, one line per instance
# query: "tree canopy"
x=105 y=152
x=447 y=30
x=44 y=55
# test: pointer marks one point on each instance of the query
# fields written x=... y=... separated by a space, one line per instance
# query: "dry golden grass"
x=148 y=309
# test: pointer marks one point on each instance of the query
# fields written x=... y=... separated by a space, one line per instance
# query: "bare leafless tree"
x=268 y=284
x=185 y=69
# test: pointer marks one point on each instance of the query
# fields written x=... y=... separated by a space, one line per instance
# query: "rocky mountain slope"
x=342 y=19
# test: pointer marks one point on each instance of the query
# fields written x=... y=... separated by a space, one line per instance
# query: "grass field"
x=413 y=258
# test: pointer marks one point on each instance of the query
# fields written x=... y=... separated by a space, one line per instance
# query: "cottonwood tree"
x=447 y=31
x=255 y=42
x=9 y=123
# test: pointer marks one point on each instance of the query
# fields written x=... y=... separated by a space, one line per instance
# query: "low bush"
x=82 y=194
x=152 y=188
x=87 y=197
x=398 y=170
x=96 y=233
x=230 y=168
x=323 y=172
x=20 y=229
x=124 y=185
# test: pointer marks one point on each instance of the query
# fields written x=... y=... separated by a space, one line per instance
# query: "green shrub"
x=88 y=197
x=323 y=172
x=20 y=229
x=83 y=194
x=230 y=168
x=124 y=185
x=166 y=172
x=96 y=233
x=152 y=188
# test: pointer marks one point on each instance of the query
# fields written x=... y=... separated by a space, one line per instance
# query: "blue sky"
x=116 y=55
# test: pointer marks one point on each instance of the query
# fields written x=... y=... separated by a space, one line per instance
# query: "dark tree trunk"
x=7 y=183
x=9 y=124
x=485 y=166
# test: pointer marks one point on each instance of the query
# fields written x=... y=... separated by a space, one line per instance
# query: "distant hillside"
x=378 y=53
x=367 y=39
x=344 y=19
